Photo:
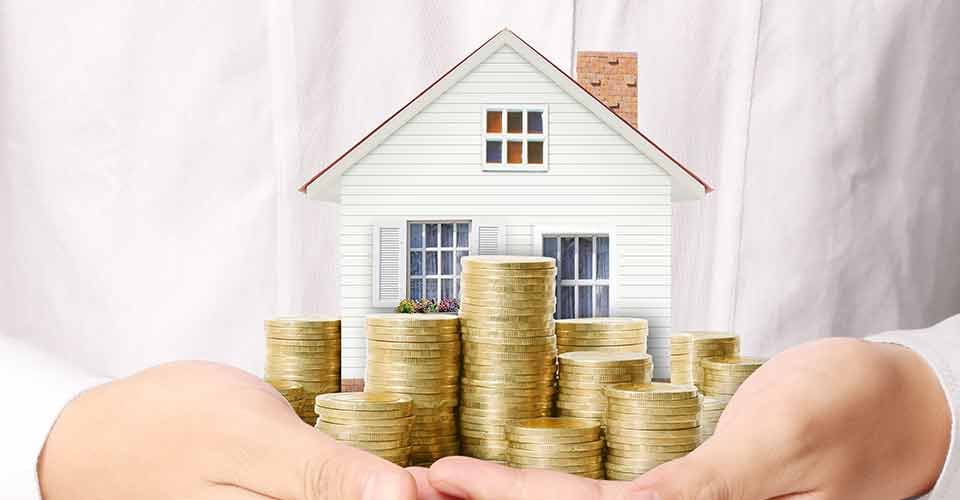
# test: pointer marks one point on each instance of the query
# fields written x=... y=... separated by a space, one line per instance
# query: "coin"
x=367 y=401
x=656 y=391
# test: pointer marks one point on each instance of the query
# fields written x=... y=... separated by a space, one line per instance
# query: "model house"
x=507 y=154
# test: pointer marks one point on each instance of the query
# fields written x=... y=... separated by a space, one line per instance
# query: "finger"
x=425 y=490
x=284 y=458
x=463 y=477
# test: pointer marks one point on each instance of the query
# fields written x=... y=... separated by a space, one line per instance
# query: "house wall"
x=431 y=169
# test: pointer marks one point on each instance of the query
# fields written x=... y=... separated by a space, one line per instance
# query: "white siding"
x=431 y=169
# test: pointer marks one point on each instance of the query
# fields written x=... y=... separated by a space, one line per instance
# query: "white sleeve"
x=940 y=346
x=35 y=387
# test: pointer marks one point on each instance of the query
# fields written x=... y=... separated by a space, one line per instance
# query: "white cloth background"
x=150 y=152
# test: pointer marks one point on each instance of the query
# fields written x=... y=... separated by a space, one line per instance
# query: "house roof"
x=686 y=184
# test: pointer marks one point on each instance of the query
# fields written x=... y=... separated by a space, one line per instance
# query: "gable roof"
x=686 y=184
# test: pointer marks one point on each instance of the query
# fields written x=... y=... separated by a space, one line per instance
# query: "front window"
x=583 y=274
x=514 y=138
x=434 y=253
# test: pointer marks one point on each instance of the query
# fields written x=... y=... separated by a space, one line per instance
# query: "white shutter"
x=488 y=239
x=389 y=264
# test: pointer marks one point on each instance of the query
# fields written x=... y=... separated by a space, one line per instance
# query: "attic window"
x=515 y=138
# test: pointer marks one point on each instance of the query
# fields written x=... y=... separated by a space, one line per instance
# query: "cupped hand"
x=832 y=419
x=195 y=430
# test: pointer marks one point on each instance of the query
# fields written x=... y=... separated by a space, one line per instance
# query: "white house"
x=507 y=154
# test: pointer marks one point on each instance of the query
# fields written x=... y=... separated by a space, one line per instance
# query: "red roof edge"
x=303 y=189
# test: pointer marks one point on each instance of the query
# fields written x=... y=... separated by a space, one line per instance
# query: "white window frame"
x=576 y=232
x=456 y=249
x=524 y=137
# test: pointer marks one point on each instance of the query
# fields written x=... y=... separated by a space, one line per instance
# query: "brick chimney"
x=612 y=78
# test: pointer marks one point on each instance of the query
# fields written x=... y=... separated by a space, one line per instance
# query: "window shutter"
x=389 y=264
x=489 y=239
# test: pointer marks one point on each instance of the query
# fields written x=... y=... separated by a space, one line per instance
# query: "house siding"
x=430 y=168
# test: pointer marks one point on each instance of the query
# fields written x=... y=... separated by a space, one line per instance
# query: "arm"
x=837 y=418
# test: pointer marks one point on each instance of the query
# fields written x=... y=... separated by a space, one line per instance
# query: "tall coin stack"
x=560 y=444
x=701 y=346
x=419 y=355
x=584 y=374
x=721 y=379
x=291 y=391
x=305 y=350
x=602 y=334
x=378 y=422
x=649 y=424
x=509 y=348
x=681 y=359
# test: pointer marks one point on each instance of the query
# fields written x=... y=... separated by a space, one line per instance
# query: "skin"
x=837 y=419
x=192 y=430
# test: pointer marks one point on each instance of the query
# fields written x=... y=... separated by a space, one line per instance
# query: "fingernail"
x=380 y=487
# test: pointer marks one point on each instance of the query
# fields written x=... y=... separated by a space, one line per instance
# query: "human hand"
x=192 y=430
x=832 y=419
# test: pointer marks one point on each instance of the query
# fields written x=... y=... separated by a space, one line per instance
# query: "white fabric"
x=940 y=346
x=149 y=153
x=35 y=387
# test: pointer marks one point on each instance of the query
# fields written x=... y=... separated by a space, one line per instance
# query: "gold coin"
x=603 y=324
x=419 y=338
x=300 y=321
x=581 y=463
x=627 y=450
x=411 y=390
x=498 y=340
x=653 y=412
x=447 y=328
x=604 y=359
x=409 y=320
x=508 y=262
x=554 y=430
x=365 y=401
x=656 y=391
x=413 y=346
x=376 y=445
x=615 y=433
x=559 y=450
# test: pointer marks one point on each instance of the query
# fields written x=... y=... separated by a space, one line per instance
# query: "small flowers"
x=425 y=306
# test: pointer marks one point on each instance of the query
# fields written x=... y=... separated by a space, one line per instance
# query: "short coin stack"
x=305 y=350
x=721 y=379
x=584 y=374
x=378 y=422
x=602 y=334
x=701 y=346
x=419 y=355
x=649 y=424
x=560 y=444
x=509 y=348
x=291 y=391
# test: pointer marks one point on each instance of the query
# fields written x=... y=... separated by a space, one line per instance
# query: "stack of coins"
x=305 y=350
x=713 y=407
x=699 y=346
x=378 y=422
x=649 y=424
x=722 y=377
x=584 y=374
x=419 y=355
x=602 y=334
x=681 y=359
x=561 y=444
x=509 y=348
x=291 y=391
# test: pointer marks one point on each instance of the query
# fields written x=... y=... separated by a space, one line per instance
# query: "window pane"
x=446 y=289
x=603 y=258
x=535 y=153
x=585 y=302
x=550 y=247
x=431 y=267
x=603 y=301
x=514 y=152
x=431 y=292
x=463 y=235
x=431 y=235
x=446 y=235
x=460 y=255
x=494 y=152
x=514 y=122
x=567 y=252
x=446 y=262
x=586 y=258
x=416 y=263
x=416 y=289
x=494 y=122
x=535 y=122
x=565 y=308
x=416 y=236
